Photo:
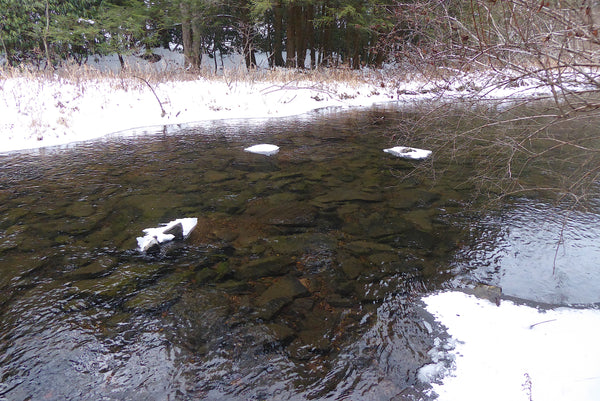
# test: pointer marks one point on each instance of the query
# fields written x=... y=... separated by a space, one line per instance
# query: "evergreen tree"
x=331 y=31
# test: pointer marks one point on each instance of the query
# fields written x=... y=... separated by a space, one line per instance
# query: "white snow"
x=157 y=235
x=406 y=152
x=39 y=113
x=263 y=149
x=513 y=352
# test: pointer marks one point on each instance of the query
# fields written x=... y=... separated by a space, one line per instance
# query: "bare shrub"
x=551 y=136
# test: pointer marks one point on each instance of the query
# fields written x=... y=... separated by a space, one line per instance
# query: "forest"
x=51 y=31
x=304 y=33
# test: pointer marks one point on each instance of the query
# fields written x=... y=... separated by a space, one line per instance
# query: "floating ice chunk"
x=409 y=153
x=263 y=149
x=176 y=229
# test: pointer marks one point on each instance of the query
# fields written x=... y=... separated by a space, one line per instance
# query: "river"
x=301 y=281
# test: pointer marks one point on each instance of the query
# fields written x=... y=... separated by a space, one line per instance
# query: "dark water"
x=301 y=281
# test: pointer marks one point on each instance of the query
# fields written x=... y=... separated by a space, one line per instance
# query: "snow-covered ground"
x=507 y=352
x=513 y=352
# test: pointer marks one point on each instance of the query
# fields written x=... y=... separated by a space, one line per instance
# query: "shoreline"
x=48 y=113
x=80 y=103
x=87 y=104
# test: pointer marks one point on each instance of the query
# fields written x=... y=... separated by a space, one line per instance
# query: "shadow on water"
x=301 y=281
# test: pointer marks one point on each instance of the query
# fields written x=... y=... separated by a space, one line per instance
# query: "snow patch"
x=158 y=235
x=406 y=152
x=263 y=149
x=38 y=113
x=513 y=352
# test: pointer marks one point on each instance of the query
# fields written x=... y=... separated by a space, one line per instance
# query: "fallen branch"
x=163 y=112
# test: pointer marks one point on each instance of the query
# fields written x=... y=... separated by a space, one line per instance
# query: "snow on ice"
x=155 y=236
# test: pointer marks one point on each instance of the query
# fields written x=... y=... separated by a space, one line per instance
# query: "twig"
x=163 y=112
x=545 y=321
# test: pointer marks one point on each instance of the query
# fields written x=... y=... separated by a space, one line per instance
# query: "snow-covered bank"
x=38 y=112
x=514 y=352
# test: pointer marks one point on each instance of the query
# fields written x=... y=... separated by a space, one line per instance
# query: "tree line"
x=290 y=32
x=304 y=33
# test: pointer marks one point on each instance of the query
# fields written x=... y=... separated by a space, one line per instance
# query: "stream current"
x=301 y=281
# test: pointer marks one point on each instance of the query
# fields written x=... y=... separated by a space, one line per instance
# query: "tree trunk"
x=190 y=32
x=355 y=51
x=249 y=53
x=310 y=33
x=186 y=34
x=278 y=35
x=45 y=37
x=326 y=44
x=290 y=44
x=196 y=40
x=299 y=16
x=247 y=31
x=326 y=50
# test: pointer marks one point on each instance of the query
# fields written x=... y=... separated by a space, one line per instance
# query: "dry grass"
x=73 y=73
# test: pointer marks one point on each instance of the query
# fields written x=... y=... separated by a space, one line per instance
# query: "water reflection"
x=537 y=251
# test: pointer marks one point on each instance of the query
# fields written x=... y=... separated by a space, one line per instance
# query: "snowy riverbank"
x=513 y=352
x=39 y=112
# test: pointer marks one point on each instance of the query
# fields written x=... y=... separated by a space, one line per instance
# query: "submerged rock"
x=349 y=195
x=280 y=332
x=269 y=266
x=164 y=292
x=280 y=294
x=285 y=287
x=96 y=267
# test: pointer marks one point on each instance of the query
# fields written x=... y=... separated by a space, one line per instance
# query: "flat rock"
x=286 y=287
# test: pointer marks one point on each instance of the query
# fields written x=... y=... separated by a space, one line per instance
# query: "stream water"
x=301 y=281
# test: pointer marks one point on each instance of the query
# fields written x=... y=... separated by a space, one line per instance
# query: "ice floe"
x=176 y=229
x=263 y=149
x=408 y=152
